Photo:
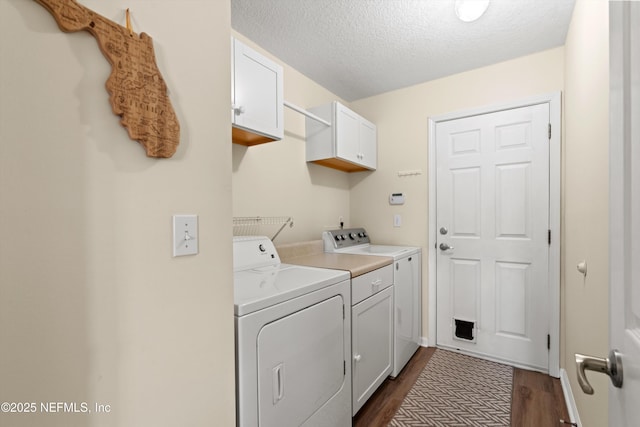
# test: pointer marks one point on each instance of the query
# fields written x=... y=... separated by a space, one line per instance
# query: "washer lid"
x=264 y=287
x=384 y=250
x=396 y=252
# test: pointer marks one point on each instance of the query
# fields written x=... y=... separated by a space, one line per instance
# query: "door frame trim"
x=554 y=101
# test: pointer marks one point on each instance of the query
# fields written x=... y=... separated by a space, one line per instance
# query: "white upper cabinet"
x=256 y=96
x=349 y=144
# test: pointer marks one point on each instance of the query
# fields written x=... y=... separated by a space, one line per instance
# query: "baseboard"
x=424 y=342
x=572 y=409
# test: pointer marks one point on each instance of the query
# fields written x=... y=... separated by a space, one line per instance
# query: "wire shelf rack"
x=259 y=225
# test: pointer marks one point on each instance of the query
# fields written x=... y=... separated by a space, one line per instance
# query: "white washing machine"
x=293 y=340
x=407 y=286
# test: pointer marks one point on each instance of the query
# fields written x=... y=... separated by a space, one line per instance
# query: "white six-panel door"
x=492 y=196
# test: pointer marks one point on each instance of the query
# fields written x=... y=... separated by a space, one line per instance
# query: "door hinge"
x=343 y=315
x=549 y=130
x=548 y=342
x=549 y=236
x=344 y=367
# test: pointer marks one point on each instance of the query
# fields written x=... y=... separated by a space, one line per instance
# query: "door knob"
x=611 y=366
x=445 y=247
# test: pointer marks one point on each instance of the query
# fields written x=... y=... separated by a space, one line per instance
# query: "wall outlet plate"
x=185 y=235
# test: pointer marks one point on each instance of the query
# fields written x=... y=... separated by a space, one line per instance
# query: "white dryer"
x=407 y=286
x=293 y=340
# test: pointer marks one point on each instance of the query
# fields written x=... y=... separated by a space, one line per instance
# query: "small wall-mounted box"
x=396 y=199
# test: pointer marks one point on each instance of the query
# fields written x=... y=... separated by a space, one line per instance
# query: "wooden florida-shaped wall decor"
x=137 y=91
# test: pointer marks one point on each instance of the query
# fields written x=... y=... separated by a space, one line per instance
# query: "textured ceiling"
x=360 y=48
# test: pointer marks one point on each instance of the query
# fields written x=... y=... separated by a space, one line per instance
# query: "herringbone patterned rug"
x=456 y=390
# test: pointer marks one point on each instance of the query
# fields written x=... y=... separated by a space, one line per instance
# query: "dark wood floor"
x=537 y=399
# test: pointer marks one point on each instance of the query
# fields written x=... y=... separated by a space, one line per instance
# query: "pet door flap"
x=464 y=329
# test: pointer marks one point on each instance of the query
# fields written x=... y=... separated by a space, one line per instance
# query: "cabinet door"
x=347 y=129
x=257 y=92
x=371 y=345
x=368 y=144
x=407 y=284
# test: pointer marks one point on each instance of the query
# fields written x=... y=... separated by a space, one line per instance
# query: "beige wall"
x=274 y=179
x=93 y=308
x=586 y=180
x=401 y=117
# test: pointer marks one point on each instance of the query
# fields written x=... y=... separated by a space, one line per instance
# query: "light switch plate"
x=397 y=220
x=185 y=235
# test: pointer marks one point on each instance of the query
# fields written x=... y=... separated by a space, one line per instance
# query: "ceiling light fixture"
x=470 y=10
